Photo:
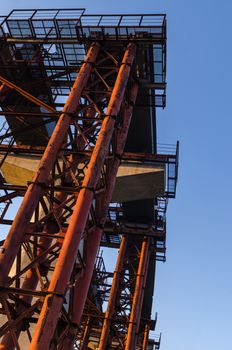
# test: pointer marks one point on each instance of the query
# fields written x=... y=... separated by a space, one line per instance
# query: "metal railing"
x=66 y=23
x=155 y=340
x=170 y=154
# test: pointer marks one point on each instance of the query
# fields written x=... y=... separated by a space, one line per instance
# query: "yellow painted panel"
x=16 y=175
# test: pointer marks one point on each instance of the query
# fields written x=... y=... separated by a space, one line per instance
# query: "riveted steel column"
x=52 y=305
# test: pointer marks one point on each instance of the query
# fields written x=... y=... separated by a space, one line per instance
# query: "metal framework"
x=78 y=95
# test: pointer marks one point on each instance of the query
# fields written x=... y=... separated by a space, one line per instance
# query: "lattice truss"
x=124 y=292
x=69 y=84
x=124 y=279
x=44 y=232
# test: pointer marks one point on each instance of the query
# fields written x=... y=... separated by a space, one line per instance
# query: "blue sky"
x=194 y=287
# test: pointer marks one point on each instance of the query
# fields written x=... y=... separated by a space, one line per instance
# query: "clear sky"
x=194 y=287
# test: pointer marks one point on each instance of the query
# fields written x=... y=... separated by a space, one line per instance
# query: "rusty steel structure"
x=79 y=159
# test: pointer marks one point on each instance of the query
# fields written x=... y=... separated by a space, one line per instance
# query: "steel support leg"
x=145 y=337
x=85 y=340
x=113 y=293
x=26 y=94
x=145 y=271
x=52 y=305
x=93 y=239
x=134 y=316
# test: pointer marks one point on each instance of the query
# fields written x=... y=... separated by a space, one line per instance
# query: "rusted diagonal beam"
x=20 y=130
x=26 y=313
x=33 y=263
x=27 y=95
x=20 y=291
x=8 y=196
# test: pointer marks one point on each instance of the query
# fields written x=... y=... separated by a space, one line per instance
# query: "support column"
x=113 y=294
x=130 y=341
x=16 y=234
x=53 y=302
x=145 y=337
x=85 y=340
x=94 y=238
x=145 y=271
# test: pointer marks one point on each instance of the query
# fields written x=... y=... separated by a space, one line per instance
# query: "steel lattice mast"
x=78 y=95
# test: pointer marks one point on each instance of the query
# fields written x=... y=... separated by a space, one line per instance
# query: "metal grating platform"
x=62 y=36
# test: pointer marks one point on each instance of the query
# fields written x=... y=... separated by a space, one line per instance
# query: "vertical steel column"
x=94 y=238
x=145 y=337
x=85 y=340
x=68 y=341
x=51 y=308
x=113 y=294
x=16 y=234
x=145 y=271
x=130 y=341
